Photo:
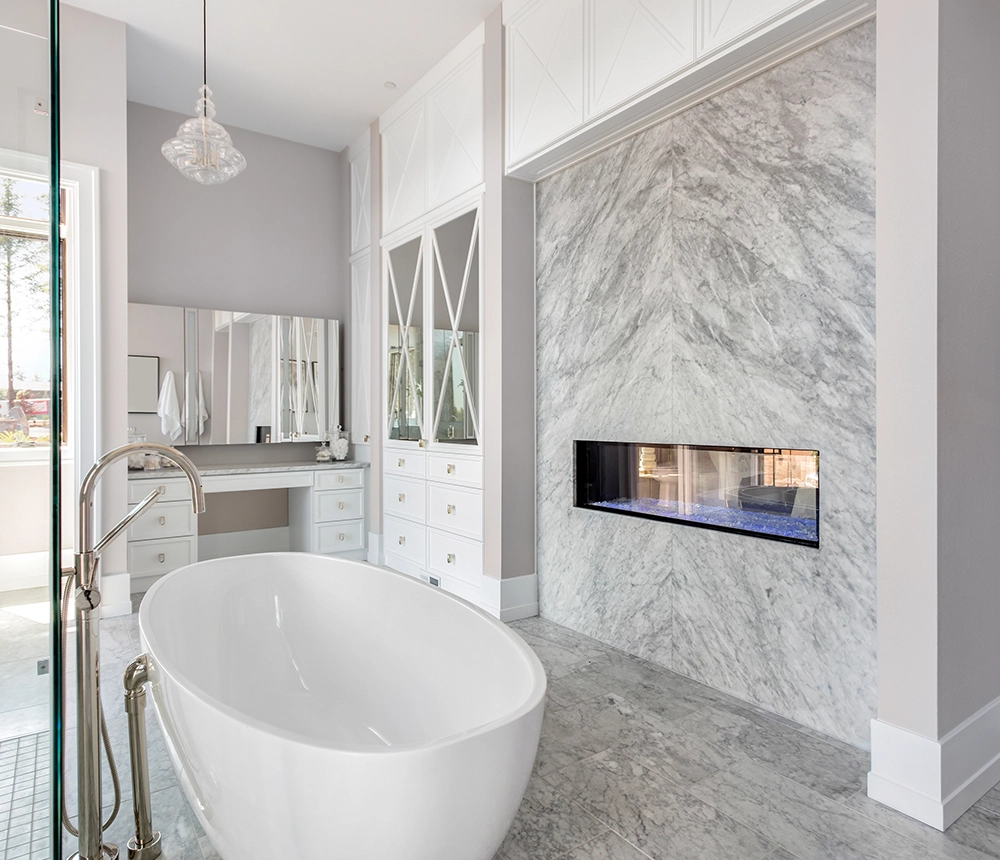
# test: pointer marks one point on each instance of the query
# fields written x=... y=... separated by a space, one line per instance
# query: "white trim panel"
x=936 y=781
x=510 y=599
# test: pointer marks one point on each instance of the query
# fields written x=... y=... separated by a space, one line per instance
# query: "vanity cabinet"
x=327 y=512
x=165 y=537
x=581 y=74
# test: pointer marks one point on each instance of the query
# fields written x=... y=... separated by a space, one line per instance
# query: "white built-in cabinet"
x=361 y=206
x=433 y=424
x=584 y=73
x=361 y=291
x=361 y=356
x=432 y=139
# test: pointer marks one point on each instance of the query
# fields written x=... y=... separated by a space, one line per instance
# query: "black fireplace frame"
x=585 y=466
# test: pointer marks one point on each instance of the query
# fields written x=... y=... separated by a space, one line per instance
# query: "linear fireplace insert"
x=765 y=492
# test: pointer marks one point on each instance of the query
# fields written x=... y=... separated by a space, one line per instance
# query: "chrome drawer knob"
x=451 y=558
x=402 y=497
x=451 y=469
x=400 y=464
x=340 y=480
x=161 y=558
x=451 y=509
x=341 y=505
x=341 y=535
x=402 y=541
x=162 y=490
x=366 y=437
x=163 y=521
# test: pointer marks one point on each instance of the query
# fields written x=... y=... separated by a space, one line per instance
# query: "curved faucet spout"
x=89 y=485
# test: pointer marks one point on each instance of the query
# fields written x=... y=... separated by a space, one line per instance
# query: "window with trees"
x=25 y=299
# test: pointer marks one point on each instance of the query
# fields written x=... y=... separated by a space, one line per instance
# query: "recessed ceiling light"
x=390 y=85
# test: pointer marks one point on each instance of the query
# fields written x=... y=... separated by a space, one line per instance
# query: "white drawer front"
x=455 y=470
x=159 y=556
x=163 y=520
x=340 y=480
x=406 y=539
x=345 y=505
x=340 y=537
x=171 y=489
x=456 y=510
x=404 y=498
x=405 y=463
x=454 y=556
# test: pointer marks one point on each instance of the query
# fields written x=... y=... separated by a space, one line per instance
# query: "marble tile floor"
x=635 y=762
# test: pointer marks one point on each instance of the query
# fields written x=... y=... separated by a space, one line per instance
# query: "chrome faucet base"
x=109 y=852
x=88 y=599
x=150 y=849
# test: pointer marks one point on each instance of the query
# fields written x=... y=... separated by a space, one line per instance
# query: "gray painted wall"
x=273 y=240
x=968 y=401
x=711 y=280
x=268 y=241
x=907 y=255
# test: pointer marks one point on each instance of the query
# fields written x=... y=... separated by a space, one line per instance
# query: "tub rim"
x=535 y=697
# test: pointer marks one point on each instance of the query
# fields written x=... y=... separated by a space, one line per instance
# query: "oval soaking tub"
x=321 y=708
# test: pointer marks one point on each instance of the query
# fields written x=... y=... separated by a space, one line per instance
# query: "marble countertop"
x=256 y=468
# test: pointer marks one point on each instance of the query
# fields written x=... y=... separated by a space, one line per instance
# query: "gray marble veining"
x=711 y=280
x=654 y=814
x=800 y=820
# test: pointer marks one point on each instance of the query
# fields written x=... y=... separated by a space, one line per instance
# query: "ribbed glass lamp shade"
x=203 y=150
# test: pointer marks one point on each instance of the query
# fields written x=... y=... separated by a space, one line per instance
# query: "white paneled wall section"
x=582 y=74
x=361 y=205
x=361 y=291
x=432 y=138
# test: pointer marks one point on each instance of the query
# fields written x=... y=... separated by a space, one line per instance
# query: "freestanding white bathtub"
x=322 y=709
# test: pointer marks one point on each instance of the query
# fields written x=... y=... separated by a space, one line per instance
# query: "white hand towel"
x=169 y=408
x=202 y=408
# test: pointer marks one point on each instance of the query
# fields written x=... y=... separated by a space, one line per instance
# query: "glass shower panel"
x=455 y=278
x=33 y=436
x=405 y=361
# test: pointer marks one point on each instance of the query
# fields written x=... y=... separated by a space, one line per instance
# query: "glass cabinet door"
x=455 y=278
x=405 y=364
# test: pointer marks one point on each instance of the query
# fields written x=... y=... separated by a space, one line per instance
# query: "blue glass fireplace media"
x=765 y=492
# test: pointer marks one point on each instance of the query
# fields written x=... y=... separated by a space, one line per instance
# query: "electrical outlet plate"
x=42 y=667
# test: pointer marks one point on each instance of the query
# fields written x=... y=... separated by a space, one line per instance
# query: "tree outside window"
x=25 y=394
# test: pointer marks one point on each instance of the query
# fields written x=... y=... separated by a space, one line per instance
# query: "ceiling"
x=311 y=71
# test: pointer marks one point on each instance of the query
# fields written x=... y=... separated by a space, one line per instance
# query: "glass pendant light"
x=203 y=150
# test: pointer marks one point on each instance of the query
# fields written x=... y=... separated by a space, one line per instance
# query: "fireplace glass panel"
x=766 y=492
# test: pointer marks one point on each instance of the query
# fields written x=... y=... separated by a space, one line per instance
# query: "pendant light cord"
x=204 y=41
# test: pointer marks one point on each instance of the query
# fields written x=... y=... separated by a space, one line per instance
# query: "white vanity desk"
x=327 y=511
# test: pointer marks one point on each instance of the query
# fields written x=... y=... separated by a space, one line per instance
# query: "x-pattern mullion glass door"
x=454 y=275
x=405 y=358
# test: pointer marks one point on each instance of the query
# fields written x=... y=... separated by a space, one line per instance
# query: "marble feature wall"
x=712 y=281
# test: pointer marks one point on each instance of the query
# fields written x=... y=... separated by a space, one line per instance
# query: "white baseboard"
x=116 y=597
x=510 y=599
x=375 y=552
x=936 y=781
x=225 y=544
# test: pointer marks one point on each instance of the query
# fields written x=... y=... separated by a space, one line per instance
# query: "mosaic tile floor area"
x=635 y=763
x=24 y=797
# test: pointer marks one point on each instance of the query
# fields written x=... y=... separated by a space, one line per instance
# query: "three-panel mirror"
x=231 y=377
